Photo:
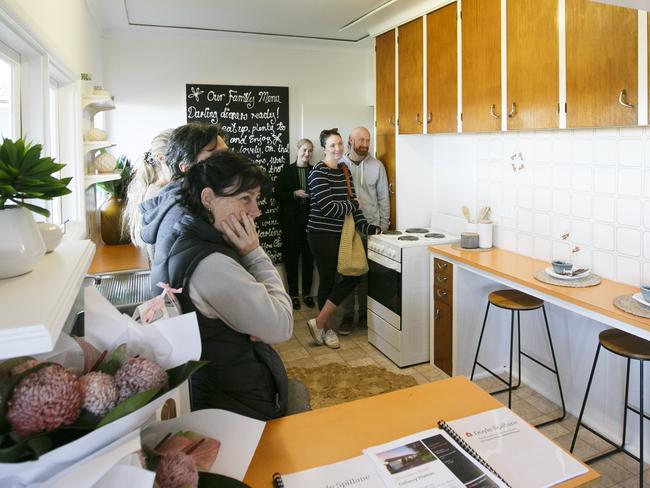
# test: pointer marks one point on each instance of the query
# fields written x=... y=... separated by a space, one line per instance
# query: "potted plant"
x=111 y=209
x=24 y=175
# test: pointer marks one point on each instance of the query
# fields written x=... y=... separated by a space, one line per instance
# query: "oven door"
x=385 y=282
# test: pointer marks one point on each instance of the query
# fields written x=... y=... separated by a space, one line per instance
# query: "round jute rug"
x=335 y=383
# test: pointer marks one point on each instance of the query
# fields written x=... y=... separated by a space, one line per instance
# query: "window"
x=9 y=113
x=54 y=206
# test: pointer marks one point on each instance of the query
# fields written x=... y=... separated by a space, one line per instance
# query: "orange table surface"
x=341 y=432
x=123 y=257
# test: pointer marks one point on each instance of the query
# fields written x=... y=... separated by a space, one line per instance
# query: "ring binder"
x=468 y=449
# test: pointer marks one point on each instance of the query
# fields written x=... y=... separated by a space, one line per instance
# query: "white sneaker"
x=331 y=340
x=316 y=333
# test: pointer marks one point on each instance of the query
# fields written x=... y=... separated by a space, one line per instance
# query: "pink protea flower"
x=99 y=392
x=138 y=374
x=44 y=400
x=176 y=470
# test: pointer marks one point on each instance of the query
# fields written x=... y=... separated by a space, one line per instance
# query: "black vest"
x=243 y=376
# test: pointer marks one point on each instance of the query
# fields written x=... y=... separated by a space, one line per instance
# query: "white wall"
x=593 y=183
x=68 y=30
x=147 y=71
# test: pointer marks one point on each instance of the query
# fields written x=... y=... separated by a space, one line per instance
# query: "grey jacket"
x=371 y=186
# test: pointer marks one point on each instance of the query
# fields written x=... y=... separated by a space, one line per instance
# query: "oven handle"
x=384 y=261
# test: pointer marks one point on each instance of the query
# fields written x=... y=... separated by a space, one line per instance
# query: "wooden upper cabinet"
x=442 y=70
x=409 y=62
x=385 y=83
x=533 y=61
x=601 y=64
x=481 y=60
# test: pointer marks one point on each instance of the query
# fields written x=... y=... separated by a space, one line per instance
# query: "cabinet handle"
x=493 y=112
x=513 y=110
x=417 y=118
x=391 y=188
x=442 y=278
x=622 y=99
x=441 y=265
x=390 y=120
x=429 y=117
x=436 y=314
x=441 y=293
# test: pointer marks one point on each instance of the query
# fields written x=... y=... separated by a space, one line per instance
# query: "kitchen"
x=541 y=180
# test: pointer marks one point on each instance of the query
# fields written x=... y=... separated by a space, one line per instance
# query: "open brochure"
x=493 y=449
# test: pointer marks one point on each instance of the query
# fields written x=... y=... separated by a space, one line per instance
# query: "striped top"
x=329 y=204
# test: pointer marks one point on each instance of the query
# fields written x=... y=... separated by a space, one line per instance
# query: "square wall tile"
x=483 y=170
x=508 y=240
x=604 y=180
x=645 y=279
x=646 y=214
x=646 y=245
x=583 y=151
x=560 y=250
x=604 y=237
x=581 y=232
x=628 y=270
x=525 y=197
x=604 y=208
x=496 y=170
x=604 y=264
x=561 y=150
x=542 y=199
x=628 y=241
x=496 y=148
x=605 y=151
x=543 y=150
x=525 y=244
x=559 y=225
x=483 y=191
x=630 y=152
x=629 y=182
x=542 y=248
x=542 y=225
x=561 y=202
x=581 y=205
x=561 y=176
x=581 y=178
x=542 y=175
x=628 y=212
x=524 y=220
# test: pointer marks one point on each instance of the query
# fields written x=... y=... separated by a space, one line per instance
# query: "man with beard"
x=371 y=187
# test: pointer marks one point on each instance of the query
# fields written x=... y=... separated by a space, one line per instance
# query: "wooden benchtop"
x=122 y=257
x=520 y=269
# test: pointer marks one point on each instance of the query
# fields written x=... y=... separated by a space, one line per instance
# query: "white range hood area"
x=636 y=4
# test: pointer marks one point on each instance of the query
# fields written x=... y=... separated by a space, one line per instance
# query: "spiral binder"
x=466 y=447
x=277 y=481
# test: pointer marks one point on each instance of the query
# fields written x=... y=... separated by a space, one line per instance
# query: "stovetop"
x=389 y=243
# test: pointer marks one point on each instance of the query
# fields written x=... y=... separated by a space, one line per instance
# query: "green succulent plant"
x=25 y=175
x=119 y=187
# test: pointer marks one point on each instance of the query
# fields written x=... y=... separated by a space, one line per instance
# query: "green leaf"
x=35 y=208
x=115 y=362
x=179 y=374
x=214 y=480
x=128 y=406
x=16 y=452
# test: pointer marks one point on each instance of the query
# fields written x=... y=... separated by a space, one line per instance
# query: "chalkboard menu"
x=256 y=119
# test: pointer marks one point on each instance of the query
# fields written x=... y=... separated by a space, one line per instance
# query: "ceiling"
x=346 y=21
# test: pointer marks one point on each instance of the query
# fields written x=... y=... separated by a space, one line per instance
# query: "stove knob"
x=393 y=253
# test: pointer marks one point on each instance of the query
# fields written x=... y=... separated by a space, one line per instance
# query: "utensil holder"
x=485 y=230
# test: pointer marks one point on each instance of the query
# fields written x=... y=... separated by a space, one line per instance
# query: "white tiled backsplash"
x=592 y=183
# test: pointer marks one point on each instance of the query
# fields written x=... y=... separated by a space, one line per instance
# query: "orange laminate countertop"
x=123 y=257
x=520 y=269
x=340 y=432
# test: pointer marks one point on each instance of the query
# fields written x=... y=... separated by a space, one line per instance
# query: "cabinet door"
x=601 y=64
x=409 y=61
x=442 y=70
x=385 y=83
x=443 y=344
x=386 y=154
x=481 y=60
x=533 y=63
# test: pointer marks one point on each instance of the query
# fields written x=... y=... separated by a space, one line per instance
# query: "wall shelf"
x=36 y=305
x=97 y=104
x=90 y=180
x=97 y=145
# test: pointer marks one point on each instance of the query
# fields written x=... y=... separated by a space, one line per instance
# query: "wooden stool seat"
x=625 y=344
x=514 y=300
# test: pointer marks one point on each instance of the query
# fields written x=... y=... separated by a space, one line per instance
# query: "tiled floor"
x=618 y=470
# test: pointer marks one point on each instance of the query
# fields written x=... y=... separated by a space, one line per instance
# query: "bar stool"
x=517 y=301
x=630 y=347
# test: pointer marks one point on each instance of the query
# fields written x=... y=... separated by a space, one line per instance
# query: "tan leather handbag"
x=352 y=256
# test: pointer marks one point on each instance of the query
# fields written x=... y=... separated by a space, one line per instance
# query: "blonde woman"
x=150 y=175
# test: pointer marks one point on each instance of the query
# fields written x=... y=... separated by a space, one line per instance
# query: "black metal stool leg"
x=480 y=339
x=627 y=402
x=556 y=371
x=584 y=402
x=512 y=331
x=519 y=350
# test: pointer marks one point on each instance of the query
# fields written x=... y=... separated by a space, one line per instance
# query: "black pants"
x=333 y=287
x=295 y=245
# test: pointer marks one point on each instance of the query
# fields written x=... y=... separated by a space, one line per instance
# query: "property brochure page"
x=357 y=472
x=516 y=450
x=429 y=459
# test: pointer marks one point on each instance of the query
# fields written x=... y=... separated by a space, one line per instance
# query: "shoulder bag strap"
x=346 y=172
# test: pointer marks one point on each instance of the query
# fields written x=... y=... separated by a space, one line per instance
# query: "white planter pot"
x=21 y=246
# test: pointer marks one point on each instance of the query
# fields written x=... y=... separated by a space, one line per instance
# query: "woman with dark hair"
x=188 y=144
x=291 y=192
x=328 y=190
x=234 y=288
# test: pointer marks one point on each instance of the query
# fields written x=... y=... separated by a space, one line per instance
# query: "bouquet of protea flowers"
x=61 y=406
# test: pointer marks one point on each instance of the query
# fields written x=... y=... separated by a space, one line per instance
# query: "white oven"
x=398 y=293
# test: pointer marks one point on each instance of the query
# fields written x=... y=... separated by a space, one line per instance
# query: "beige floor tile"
x=352 y=354
x=541 y=403
x=582 y=449
x=293 y=354
x=315 y=351
x=555 y=430
x=292 y=343
x=301 y=363
x=525 y=410
x=332 y=357
x=364 y=361
x=608 y=469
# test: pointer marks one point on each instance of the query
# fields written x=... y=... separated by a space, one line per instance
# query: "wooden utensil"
x=466 y=213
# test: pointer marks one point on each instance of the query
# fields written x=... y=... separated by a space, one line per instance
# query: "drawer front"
x=442 y=294
x=442 y=337
x=442 y=267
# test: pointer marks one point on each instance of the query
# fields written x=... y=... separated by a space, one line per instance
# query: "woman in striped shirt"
x=329 y=205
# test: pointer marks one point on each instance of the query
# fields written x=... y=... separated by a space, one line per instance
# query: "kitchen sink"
x=125 y=290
